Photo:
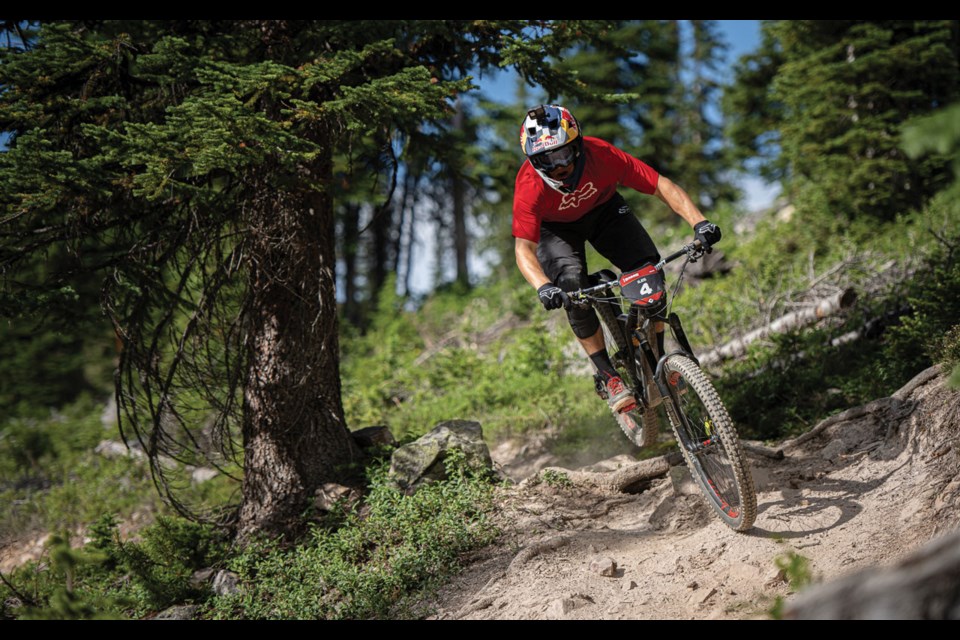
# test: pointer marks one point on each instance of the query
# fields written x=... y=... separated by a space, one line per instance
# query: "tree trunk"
x=409 y=244
x=458 y=196
x=460 y=241
x=294 y=434
x=351 y=242
x=382 y=228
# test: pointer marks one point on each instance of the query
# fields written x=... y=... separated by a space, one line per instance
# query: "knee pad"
x=584 y=322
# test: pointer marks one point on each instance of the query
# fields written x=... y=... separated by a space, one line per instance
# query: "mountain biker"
x=566 y=195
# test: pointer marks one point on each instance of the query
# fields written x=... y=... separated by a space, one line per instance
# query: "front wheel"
x=709 y=443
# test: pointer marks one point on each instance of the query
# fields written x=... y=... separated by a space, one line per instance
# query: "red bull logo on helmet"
x=547 y=127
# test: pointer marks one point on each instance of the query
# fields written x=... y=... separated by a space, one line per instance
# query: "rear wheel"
x=709 y=443
x=641 y=425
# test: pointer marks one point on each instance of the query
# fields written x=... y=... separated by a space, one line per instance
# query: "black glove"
x=707 y=233
x=552 y=297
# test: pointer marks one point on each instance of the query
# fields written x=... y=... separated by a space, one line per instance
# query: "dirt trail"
x=861 y=490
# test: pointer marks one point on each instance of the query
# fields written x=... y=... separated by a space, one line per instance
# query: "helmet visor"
x=554 y=159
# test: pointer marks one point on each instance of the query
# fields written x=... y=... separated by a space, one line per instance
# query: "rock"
x=422 y=461
x=709 y=594
x=11 y=603
x=108 y=418
x=178 y=612
x=558 y=609
x=201 y=578
x=834 y=450
x=114 y=449
x=331 y=493
x=775 y=578
x=226 y=583
x=202 y=474
x=683 y=482
x=369 y=437
x=604 y=566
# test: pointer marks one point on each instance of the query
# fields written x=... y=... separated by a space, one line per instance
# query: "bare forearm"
x=678 y=200
x=526 y=254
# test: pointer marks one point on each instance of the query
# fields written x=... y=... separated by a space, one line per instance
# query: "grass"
x=370 y=562
x=373 y=561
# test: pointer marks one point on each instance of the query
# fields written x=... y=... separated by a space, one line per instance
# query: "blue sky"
x=742 y=37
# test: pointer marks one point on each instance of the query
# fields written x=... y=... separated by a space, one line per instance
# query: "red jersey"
x=606 y=168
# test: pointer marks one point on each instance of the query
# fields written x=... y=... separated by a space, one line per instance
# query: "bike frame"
x=706 y=435
x=638 y=328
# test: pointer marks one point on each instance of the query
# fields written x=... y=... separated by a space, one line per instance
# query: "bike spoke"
x=713 y=458
x=709 y=451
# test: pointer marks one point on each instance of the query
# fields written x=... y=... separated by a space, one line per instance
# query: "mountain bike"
x=631 y=308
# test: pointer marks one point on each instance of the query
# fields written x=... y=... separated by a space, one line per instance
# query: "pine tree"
x=192 y=164
x=699 y=162
x=752 y=115
x=840 y=93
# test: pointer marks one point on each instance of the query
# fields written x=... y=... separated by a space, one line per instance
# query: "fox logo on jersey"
x=573 y=200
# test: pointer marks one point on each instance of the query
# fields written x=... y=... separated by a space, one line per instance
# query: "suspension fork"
x=684 y=350
x=681 y=336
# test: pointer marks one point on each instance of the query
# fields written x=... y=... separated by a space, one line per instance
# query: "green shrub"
x=108 y=578
x=948 y=352
x=162 y=564
x=796 y=570
x=369 y=565
x=786 y=385
x=923 y=335
x=513 y=382
x=71 y=589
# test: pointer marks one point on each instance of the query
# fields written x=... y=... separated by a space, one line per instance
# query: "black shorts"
x=613 y=231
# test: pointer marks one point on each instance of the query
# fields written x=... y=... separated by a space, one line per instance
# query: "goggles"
x=554 y=159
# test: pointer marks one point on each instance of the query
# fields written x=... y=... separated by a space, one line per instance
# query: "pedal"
x=599 y=387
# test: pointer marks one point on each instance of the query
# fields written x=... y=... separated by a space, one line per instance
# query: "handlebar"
x=695 y=250
x=581 y=297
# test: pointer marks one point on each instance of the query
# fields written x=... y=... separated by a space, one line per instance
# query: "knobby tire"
x=709 y=443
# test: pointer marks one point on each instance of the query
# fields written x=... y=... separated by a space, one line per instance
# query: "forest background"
x=209 y=234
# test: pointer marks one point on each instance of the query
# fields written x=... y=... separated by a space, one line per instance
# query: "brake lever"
x=694 y=251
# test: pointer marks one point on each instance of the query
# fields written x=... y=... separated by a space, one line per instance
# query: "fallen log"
x=758 y=449
x=804 y=317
